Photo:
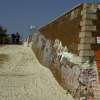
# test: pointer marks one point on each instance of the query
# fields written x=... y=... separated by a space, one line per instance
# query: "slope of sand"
x=23 y=78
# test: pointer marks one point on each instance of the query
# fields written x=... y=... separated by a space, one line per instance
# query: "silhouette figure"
x=17 y=38
x=13 y=37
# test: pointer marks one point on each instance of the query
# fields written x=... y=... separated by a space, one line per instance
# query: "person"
x=13 y=37
x=17 y=38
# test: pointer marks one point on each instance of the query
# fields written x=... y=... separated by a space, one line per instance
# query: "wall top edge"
x=66 y=12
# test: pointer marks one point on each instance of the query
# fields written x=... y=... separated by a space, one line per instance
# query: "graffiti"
x=88 y=76
x=47 y=54
x=78 y=80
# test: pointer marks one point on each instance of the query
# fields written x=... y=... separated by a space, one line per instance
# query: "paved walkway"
x=23 y=78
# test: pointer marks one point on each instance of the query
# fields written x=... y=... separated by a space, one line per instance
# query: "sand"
x=23 y=78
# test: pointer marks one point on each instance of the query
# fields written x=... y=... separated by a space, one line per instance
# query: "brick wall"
x=65 y=28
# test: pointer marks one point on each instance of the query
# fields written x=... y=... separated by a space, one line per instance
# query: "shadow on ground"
x=3 y=58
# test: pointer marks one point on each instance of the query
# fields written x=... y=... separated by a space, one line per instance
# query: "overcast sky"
x=18 y=15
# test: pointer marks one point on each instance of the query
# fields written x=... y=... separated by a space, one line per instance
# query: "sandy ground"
x=23 y=78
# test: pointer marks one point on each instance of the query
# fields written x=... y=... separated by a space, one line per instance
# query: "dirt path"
x=23 y=78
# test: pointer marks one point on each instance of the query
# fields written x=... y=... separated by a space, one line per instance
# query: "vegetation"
x=3 y=35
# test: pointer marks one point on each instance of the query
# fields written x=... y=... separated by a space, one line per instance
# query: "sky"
x=18 y=15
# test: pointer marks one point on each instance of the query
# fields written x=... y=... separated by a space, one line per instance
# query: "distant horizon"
x=19 y=15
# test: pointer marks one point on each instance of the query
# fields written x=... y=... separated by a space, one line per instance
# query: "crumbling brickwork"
x=65 y=28
x=77 y=29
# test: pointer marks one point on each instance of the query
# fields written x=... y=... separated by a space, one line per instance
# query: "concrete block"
x=85 y=34
x=84 y=59
x=88 y=11
x=86 y=22
x=88 y=28
x=90 y=6
x=86 y=6
x=89 y=16
x=93 y=6
x=86 y=53
x=88 y=40
x=84 y=47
